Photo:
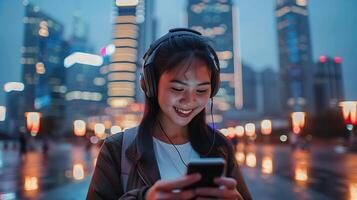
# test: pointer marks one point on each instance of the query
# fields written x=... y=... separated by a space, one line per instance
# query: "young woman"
x=181 y=74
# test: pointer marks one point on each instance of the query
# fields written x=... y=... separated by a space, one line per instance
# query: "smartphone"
x=209 y=168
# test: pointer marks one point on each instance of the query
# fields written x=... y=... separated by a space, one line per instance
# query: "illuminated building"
x=133 y=31
x=42 y=55
x=328 y=83
x=85 y=85
x=122 y=72
x=217 y=21
x=296 y=68
x=14 y=101
x=270 y=91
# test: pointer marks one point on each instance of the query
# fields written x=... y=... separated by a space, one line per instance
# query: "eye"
x=202 y=91
x=177 y=89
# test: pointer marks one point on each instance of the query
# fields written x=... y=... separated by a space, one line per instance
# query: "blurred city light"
x=33 y=122
x=31 y=183
x=349 y=127
x=224 y=131
x=2 y=113
x=8 y=196
x=349 y=109
x=298 y=121
x=301 y=173
x=99 y=130
x=250 y=129
x=239 y=131
x=124 y=3
x=337 y=60
x=251 y=159
x=94 y=139
x=283 y=138
x=40 y=68
x=240 y=157
x=266 y=127
x=115 y=129
x=83 y=58
x=231 y=132
x=13 y=86
x=267 y=165
x=79 y=127
x=78 y=172
x=323 y=59
x=108 y=50
x=43 y=31
x=353 y=191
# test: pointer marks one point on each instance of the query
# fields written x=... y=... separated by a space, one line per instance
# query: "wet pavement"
x=271 y=172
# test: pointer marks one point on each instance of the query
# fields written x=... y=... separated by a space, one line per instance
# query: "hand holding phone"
x=209 y=168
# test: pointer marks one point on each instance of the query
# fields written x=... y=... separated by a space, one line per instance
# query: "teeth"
x=183 y=111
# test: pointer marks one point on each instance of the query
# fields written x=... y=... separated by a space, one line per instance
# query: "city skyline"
x=332 y=37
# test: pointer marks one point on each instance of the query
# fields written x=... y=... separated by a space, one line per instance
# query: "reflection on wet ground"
x=320 y=169
x=271 y=172
x=30 y=175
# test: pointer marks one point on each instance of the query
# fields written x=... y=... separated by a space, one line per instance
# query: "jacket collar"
x=141 y=153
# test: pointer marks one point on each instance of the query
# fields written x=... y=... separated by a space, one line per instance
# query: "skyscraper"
x=123 y=67
x=85 y=84
x=270 y=89
x=250 y=88
x=296 y=68
x=133 y=31
x=217 y=21
x=42 y=56
x=328 y=83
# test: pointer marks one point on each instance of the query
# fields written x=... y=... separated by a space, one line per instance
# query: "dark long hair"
x=172 y=53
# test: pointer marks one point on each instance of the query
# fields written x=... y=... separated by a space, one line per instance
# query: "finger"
x=178 y=183
x=229 y=183
x=217 y=192
x=177 y=194
x=204 y=198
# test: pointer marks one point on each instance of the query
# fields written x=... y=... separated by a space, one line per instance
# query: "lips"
x=183 y=112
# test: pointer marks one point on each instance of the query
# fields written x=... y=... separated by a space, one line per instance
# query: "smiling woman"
x=181 y=73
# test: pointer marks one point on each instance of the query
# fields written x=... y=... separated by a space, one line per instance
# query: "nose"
x=189 y=98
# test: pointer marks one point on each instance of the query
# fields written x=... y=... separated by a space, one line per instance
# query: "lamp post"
x=349 y=110
x=33 y=122
x=297 y=123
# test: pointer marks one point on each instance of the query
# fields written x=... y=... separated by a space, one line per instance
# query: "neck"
x=165 y=133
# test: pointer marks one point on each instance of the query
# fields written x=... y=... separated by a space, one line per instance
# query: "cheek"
x=167 y=99
x=203 y=101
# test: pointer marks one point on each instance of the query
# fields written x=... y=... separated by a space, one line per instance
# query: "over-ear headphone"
x=148 y=82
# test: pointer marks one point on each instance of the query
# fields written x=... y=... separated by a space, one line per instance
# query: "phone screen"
x=209 y=168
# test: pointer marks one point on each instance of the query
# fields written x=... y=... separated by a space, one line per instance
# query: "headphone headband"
x=172 y=33
x=149 y=81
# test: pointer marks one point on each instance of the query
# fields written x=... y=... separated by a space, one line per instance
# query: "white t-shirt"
x=168 y=160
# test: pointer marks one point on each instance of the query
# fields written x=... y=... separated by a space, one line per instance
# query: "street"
x=323 y=171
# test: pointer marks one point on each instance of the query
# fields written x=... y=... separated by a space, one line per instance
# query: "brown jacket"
x=106 y=180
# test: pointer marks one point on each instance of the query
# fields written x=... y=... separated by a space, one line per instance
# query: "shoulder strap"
x=128 y=137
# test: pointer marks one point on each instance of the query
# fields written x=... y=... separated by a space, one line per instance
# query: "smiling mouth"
x=182 y=112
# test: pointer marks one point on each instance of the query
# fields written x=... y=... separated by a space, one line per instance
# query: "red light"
x=323 y=59
x=103 y=51
x=338 y=60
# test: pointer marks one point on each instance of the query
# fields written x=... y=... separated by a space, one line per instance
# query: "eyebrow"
x=183 y=83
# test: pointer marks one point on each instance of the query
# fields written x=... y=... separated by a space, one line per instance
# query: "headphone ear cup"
x=215 y=86
x=149 y=81
x=142 y=84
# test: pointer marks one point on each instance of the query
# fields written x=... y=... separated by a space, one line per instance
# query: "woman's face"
x=183 y=92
